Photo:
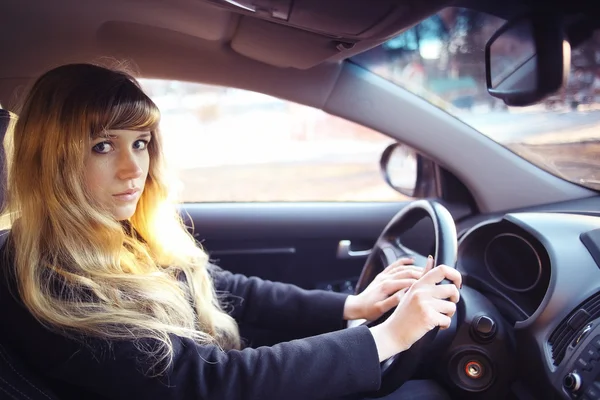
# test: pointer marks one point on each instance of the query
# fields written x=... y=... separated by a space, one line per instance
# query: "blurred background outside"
x=231 y=145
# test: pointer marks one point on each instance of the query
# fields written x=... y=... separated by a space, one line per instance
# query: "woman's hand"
x=384 y=292
x=425 y=305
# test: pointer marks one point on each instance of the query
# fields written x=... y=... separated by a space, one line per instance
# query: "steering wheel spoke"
x=391 y=250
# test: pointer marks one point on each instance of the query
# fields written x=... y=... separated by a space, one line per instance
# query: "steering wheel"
x=387 y=250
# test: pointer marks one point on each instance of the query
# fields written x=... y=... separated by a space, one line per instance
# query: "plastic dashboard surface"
x=539 y=270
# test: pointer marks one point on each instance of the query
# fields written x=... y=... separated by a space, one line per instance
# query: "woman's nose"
x=129 y=166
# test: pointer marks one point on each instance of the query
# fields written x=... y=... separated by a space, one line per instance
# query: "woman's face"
x=116 y=170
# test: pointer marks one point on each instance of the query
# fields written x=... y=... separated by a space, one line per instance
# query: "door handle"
x=345 y=251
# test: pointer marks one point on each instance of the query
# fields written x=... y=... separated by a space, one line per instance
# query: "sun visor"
x=347 y=19
x=304 y=33
x=281 y=46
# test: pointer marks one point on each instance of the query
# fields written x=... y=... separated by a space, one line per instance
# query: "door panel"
x=296 y=242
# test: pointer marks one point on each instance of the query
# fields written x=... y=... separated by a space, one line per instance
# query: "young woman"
x=109 y=296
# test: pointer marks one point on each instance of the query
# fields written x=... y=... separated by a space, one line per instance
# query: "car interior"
x=522 y=227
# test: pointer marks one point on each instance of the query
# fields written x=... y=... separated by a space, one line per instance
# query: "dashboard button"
x=590 y=353
x=596 y=342
x=484 y=328
x=583 y=364
x=592 y=392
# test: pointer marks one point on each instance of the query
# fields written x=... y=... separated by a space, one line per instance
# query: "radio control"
x=572 y=382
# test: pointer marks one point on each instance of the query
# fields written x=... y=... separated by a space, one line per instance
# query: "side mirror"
x=527 y=59
x=408 y=172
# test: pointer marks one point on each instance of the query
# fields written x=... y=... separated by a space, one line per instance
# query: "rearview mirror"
x=527 y=59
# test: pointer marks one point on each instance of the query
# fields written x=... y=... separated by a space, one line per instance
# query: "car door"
x=276 y=189
x=313 y=245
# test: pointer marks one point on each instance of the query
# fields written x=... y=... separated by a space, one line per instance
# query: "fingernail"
x=430 y=257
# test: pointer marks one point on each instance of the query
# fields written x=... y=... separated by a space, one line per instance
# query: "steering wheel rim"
x=389 y=248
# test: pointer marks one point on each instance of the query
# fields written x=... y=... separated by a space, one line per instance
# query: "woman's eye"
x=140 y=144
x=102 y=148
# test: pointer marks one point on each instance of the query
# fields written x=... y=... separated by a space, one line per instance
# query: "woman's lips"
x=128 y=195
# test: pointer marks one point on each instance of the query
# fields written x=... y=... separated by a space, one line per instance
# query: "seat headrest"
x=5 y=120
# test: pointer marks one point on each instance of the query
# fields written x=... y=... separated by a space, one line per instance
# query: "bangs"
x=125 y=107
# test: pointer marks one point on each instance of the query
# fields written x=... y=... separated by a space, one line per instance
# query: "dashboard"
x=540 y=270
x=509 y=265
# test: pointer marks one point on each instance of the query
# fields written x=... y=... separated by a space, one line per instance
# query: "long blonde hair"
x=79 y=270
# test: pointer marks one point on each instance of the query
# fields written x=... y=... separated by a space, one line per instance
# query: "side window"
x=232 y=145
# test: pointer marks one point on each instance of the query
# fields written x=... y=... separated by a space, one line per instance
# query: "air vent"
x=568 y=329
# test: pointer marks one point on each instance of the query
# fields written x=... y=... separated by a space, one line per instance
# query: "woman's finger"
x=392 y=286
x=399 y=263
x=392 y=301
x=446 y=291
x=407 y=267
x=428 y=265
x=444 y=307
x=406 y=273
x=443 y=321
x=441 y=272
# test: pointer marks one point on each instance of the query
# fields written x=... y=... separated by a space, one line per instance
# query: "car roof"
x=211 y=41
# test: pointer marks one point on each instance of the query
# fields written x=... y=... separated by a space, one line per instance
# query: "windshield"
x=442 y=59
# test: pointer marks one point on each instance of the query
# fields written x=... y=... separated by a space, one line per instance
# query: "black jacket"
x=322 y=366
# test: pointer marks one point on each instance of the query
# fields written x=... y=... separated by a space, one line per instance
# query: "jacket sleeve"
x=279 y=306
x=321 y=367
x=327 y=366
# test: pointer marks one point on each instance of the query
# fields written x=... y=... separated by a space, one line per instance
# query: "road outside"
x=230 y=145
x=289 y=155
x=565 y=142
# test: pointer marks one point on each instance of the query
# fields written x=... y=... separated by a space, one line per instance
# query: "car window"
x=442 y=60
x=232 y=145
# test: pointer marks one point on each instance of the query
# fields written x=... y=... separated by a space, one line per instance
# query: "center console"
x=581 y=371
